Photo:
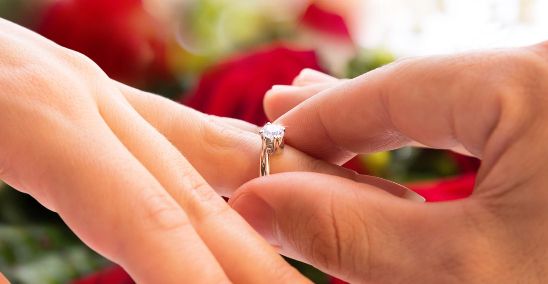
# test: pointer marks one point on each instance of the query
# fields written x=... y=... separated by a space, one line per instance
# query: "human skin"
x=133 y=174
x=3 y=279
x=489 y=104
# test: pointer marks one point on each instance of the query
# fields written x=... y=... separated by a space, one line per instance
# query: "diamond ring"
x=272 y=136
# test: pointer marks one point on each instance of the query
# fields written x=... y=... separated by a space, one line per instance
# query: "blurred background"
x=221 y=56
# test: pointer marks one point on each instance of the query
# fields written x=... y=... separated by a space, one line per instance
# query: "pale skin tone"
x=136 y=177
x=491 y=105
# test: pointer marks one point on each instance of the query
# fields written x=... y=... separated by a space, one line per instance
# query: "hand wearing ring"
x=272 y=136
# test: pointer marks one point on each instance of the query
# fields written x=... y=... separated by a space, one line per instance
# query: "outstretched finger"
x=229 y=238
x=81 y=170
x=214 y=144
x=441 y=102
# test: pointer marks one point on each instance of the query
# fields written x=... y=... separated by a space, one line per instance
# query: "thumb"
x=348 y=229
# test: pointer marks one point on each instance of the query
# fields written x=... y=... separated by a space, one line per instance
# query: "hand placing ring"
x=272 y=136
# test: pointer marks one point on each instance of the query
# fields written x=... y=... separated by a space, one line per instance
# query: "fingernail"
x=258 y=214
x=413 y=196
x=313 y=76
x=283 y=88
x=391 y=187
x=310 y=73
x=280 y=89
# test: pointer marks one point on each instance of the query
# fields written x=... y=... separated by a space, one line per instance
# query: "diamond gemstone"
x=273 y=131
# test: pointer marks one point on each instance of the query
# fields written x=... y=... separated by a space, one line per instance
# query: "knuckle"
x=155 y=214
x=513 y=71
x=86 y=71
x=400 y=65
x=212 y=214
x=192 y=180
x=50 y=97
x=198 y=186
x=314 y=165
x=80 y=62
x=162 y=213
x=323 y=251
x=515 y=87
x=327 y=237
x=197 y=195
x=341 y=240
x=217 y=135
x=320 y=246
x=201 y=201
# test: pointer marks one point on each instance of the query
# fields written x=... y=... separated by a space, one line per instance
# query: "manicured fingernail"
x=391 y=187
x=413 y=196
x=258 y=214
x=280 y=89
x=312 y=75
x=283 y=88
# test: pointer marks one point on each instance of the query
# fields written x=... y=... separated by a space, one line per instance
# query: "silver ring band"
x=272 y=136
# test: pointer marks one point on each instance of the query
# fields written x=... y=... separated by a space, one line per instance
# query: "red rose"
x=236 y=87
x=120 y=36
x=326 y=21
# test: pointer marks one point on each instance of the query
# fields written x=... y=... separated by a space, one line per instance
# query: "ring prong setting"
x=272 y=136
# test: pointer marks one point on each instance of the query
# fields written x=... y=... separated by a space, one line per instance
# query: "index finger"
x=216 y=145
x=225 y=145
x=442 y=102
